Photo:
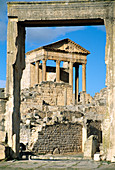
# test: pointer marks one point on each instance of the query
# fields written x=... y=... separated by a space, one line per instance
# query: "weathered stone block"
x=90 y=147
x=2 y=136
x=2 y=93
x=2 y=152
x=97 y=157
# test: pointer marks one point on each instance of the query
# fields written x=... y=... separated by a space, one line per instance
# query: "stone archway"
x=61 y=13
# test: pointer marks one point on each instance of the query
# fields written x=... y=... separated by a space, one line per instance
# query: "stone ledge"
x=58 y=1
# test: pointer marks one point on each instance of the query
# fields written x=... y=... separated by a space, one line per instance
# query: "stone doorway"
x=25 y=14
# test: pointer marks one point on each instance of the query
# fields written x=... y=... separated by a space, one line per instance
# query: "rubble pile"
x=49 y=129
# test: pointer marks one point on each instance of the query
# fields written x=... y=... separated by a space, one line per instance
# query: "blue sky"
x=93 y=38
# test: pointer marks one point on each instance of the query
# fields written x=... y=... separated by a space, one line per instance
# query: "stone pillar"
x=43 y=70
x=76 y=82
x=15 y=66
x=37 y=71
x=109 y=117
x=84 y=136
x=57 y=71
x=71 y=74
x=84 y=77
x=32 y=74
x=40 y=75
x=65 y=97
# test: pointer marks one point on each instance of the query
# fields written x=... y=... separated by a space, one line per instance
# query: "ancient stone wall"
x=47 y=93
x=2 y=109
x=2 y=124
x=2 y=117
x=37 y=119
x=61 y=137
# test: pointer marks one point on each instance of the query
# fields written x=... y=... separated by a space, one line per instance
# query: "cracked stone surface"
x=57 y=164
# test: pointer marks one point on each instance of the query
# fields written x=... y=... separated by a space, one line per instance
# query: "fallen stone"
x=56 y=151
x=96 y=157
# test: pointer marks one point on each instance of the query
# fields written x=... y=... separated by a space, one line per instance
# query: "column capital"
x=71 y=62
x=58 y=61
x=71 y=65
x=13 y=19
x=44 y=60
x=37 y=61
x=84 y=64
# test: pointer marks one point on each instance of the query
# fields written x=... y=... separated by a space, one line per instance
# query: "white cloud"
x=2 y=83
x=101 y=27
x=35 y=35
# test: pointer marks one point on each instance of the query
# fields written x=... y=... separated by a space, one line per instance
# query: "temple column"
x=37 y=71
x=84 y=77
x=43 y=70
x=57 y=71
x=71 y=74
x=76 y=82
x=32 y=72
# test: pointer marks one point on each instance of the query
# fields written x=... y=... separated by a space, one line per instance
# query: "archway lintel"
x=62 y=22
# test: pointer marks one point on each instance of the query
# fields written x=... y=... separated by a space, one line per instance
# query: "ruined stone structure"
x=46 y=128
x=60 y=13
x=50 y=93
x=70 y=142
x=39 y=90
x=47 y=123
x=2 y=122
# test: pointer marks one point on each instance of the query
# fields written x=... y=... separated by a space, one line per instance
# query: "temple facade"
x=66 y=51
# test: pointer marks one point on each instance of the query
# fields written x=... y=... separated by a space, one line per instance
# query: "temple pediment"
x=67 y=45
x=64 y=50
x=64 y=45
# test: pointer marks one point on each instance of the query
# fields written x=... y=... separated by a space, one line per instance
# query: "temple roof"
x=64 y=45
